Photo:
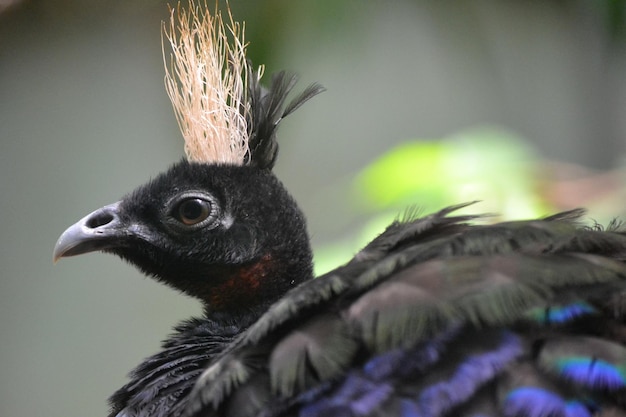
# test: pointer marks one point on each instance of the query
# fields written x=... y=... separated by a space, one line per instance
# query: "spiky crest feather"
x=224 y=113
x=207 y=82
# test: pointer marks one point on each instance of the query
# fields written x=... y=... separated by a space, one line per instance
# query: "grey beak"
x=96 y=231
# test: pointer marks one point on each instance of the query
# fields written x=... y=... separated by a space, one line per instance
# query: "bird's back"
x=436 y=317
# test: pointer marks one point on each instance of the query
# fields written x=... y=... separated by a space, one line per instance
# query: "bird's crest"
x=224 y=114
x=207 y=82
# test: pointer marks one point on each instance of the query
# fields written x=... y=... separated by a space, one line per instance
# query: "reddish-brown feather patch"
x=243 y=287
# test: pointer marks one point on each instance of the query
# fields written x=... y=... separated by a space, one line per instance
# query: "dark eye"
x=192 y=211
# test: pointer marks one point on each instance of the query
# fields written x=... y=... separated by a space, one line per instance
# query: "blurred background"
x=520 y=104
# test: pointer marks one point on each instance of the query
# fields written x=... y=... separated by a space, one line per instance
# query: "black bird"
x=435 y=317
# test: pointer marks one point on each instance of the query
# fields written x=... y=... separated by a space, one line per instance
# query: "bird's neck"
x=241 y=288
x=248 y=290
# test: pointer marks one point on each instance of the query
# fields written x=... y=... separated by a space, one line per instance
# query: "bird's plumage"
x=437 y=316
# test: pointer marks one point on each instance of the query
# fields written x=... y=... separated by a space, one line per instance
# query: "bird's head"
x=229 y=235
x=219 y=226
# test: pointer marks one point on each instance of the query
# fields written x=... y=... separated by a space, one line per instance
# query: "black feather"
x=267 y=109
x=471 y=276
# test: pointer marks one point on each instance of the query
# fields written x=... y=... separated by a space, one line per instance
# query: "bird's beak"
x=96 y=231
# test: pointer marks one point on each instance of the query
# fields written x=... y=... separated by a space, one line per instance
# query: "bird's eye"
x=193 y=211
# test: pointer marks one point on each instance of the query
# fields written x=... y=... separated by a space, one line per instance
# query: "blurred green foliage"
x=485 y=163
x=488 y=164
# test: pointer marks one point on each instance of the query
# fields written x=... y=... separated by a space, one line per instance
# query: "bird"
x=439 y=315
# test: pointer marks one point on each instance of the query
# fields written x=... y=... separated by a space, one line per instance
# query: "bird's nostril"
x=100 y=219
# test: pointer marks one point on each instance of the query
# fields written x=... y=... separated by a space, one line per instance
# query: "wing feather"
x=403 y=317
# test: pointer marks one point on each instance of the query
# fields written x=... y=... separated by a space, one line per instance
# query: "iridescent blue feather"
x=592 y=373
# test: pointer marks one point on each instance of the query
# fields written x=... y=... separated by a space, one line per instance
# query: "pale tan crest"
x=207 y=82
